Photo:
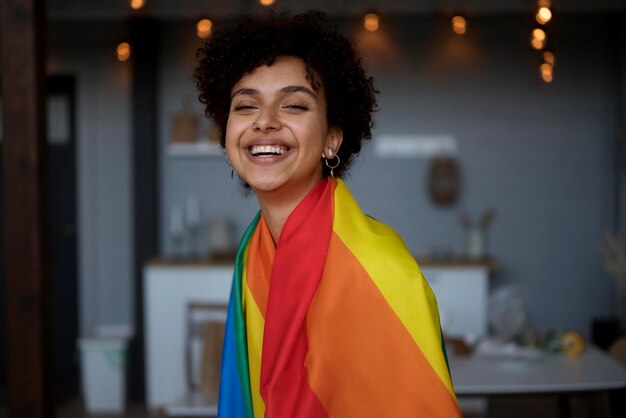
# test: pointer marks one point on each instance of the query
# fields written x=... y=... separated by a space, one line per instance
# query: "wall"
x=540 y=154
x=87 y=51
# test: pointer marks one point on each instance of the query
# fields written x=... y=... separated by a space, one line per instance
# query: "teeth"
x=268 y=149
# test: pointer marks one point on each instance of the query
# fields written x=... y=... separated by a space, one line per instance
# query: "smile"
x=268 y=150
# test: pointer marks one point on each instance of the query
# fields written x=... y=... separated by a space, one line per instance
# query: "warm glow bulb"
x=547 y=77
x=266 y=2
x=137 y=4
x=546 y=72
x=543 y=15
x=539 y=34
x=371 y=22
x=123 y=51
x=459 y=25
x=204 y=28
x=537 y=43
x=549 y=58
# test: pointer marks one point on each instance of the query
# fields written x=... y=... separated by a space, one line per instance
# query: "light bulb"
x=549 y=58
x=543 y=15
x=539 y=34
x=137 y=4
x=371 y=22
x=123 y=51
x=203 y=28
x=459 y=25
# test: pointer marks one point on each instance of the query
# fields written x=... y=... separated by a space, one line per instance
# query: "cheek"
x=232 y=133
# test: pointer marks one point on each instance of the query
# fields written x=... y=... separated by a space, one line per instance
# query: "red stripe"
x=300 y=257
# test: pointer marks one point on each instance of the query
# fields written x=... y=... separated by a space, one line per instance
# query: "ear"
x=333 y=140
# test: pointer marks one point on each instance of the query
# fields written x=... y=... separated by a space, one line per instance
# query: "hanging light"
x=543 y=15
x=266 y=3
x=371 y=22
x=203 y=28
x=459 y=25
x=137 y=4
x=123 y=51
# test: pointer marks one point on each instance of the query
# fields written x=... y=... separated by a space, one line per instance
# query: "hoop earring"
x=332 y=167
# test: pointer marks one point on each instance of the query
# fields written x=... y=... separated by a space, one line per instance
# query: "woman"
x=329 y=314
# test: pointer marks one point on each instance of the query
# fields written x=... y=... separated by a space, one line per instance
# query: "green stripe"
x=445 y=353
x=239 y=322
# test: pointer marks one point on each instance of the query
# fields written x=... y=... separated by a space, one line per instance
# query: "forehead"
x=285 y=70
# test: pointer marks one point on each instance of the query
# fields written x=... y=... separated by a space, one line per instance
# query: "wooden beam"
x=28 y=286
x=144 y=36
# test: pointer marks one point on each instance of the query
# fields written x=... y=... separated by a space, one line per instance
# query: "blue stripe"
x=231 y=401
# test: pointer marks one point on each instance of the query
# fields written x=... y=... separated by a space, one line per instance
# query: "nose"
x=266 y=121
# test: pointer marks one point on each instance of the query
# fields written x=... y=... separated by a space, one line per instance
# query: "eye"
x=296 y=107
x=244 y=108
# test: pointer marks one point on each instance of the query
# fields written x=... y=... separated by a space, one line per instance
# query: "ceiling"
x=183 y=9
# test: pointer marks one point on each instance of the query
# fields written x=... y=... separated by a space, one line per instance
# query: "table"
x=558 y=375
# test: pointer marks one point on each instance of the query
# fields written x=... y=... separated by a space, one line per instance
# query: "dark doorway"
x=63 y=245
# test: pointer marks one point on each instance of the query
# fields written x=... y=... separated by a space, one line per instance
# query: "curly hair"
x=331 y=63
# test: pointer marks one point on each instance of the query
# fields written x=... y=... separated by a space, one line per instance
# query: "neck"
x=277 y=205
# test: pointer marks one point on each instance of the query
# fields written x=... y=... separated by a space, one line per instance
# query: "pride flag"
x=335 y=321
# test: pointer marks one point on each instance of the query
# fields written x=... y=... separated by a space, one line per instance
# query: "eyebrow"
x=286 y=89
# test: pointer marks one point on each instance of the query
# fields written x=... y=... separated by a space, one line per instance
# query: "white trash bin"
x=103 y=362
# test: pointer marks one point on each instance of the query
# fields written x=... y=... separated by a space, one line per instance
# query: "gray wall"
x=540 y=154
x=103 y=152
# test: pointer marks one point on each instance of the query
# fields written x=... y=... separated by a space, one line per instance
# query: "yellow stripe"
x=400 y=281
x=254 y=332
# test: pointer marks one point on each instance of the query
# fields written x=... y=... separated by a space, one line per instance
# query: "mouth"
x=266 y=151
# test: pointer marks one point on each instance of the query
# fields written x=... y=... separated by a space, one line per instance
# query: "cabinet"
x=168 y=289
x=462 y=295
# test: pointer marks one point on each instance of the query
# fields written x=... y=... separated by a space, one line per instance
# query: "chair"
x=203 y=351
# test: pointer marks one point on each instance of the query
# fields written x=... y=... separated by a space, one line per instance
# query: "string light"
x=266 y=3
x=539 y=39
x=123 y=51
x=203 y=28
x=137 y=4
x=459 y=25
x=371 y=22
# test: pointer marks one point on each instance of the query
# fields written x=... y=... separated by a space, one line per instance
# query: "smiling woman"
x=329 y=313
x=277 y=134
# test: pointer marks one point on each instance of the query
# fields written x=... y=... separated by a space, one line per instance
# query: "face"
x=277 y=129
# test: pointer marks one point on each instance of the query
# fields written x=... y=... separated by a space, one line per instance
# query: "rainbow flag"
x=335 y=321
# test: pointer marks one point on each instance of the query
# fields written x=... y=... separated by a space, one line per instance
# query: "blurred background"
x=498 y=143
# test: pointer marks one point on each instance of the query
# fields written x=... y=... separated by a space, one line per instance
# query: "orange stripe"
x=259 y=267
x=362 y=361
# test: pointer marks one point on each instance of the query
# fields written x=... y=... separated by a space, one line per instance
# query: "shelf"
x=201 y=149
